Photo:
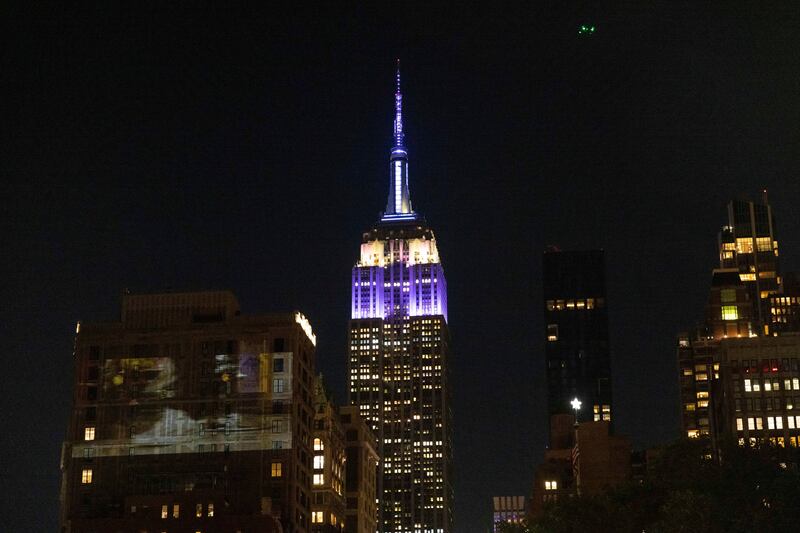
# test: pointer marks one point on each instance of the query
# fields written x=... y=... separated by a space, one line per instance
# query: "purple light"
x=398 y=291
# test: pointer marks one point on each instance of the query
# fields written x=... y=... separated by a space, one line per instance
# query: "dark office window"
x=91 y=413
x=94 y=353
x=91 y=393
x=277 y=364
x=93 y=373
x=277 y=344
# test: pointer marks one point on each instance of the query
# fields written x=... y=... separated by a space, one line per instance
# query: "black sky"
x=222 y=147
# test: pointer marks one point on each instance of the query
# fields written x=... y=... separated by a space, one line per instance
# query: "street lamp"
x=576 y=405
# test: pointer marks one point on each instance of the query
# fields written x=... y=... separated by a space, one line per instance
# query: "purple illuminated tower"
x=398 y=357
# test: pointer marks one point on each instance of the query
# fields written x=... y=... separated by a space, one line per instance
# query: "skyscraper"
x=398 y=354
x=738 y=368
x=748 y=244
x=576 y=322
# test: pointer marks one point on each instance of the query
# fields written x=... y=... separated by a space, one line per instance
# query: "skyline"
x=203 y=169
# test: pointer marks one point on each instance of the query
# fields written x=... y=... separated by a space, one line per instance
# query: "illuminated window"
x=790 y=422
x=739 y=424
x=702 y=394
x=164 y=511
x=702 y=403
x=747 y=277
x=747 y=386
x=211 y=510
x=763 y=244
x=319 y=479
x=552 y=332
x=318 y=445
x=693 y=433
x=198 y=511
x=687 y=371
x=770 y=422
x=277 y=385
x=744 y=245
x=751 y=424
x=796 y=383
x=317 y=517
x=319 y=462
x=86 y=476
x=176 y=511
x=767 y=385
x=551 y=485
x=778 y=422
x=730 y=312
x=276 y=469
x=690 y=407
x=759 y=423
x=88 y=433
x=701 y=377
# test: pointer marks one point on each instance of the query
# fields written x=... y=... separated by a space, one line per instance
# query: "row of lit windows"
x=587 y=303
x=754 y=385
x=773 y=422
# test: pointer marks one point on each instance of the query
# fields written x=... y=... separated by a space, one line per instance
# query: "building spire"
x=398 y=113
x=398 y=206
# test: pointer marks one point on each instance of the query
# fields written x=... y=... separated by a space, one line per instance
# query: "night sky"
x=225 y=148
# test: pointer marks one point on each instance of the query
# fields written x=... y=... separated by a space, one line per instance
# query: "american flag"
x=576 y=460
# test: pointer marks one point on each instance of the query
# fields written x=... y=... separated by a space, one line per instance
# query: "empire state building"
x=398 y=355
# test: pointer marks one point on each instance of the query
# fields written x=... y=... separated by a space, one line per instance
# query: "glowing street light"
x=576 y=405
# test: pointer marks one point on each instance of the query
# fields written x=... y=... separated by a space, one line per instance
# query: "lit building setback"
x=398 y=357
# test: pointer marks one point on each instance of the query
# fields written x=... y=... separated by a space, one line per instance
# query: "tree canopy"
x=685 y=490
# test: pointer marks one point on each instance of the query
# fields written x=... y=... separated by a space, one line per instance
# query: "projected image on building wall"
x=159 y=411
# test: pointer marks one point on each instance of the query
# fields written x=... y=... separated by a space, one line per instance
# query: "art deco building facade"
x=576 y=332
x=398 y=357
x=189 y=416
